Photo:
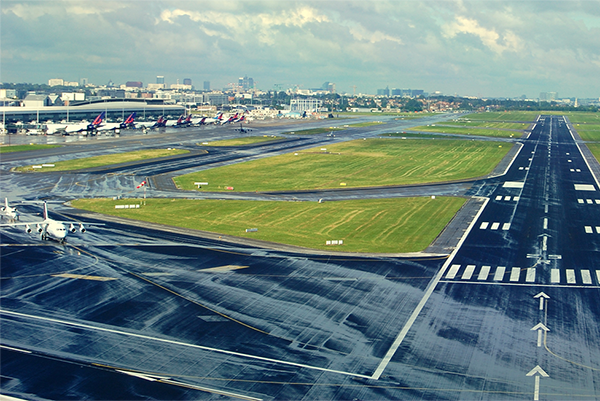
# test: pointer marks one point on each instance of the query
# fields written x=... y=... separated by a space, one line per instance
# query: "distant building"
x=181 y=86
x=83 y=81
x=328 y=86
x=56 y=82
x=72 y=96
x=215 y=99
x=548 y=96
x=34 y=101
x=246 y=83
x=206 y=85
x=383 y=92
x=187 y=81
x=160 y=79
x=305 y=104
x=8 y=93
x=154 y=87
x=134 y=84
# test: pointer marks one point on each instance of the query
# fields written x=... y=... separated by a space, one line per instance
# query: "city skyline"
x=484 y=49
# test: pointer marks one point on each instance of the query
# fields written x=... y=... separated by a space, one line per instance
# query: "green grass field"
x=248 y=140
x=23 y=148
x=359 y=163
x=378 y=225
x=105 y=160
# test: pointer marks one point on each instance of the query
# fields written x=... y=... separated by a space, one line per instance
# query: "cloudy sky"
x=470 y=48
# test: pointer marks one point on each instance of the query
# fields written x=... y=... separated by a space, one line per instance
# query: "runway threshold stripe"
x=499 y=273
x=515 y=273
x=530 y=278
x=179 y=343
x=555 y=276
x=468 y=273
x=570 y=276
x=452 y=272
x=483 y=274
x=586 y=277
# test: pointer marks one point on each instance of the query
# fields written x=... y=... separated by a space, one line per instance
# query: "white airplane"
x=10 y=212
x=53 y=229
x=76 y=127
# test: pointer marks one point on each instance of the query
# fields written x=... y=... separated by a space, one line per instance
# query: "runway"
x=132 y=312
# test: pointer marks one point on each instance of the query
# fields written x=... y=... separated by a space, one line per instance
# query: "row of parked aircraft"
x=48 y=228
x=98 y=125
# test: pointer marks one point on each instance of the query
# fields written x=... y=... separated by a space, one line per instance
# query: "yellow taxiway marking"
x=223 y=269
x=84 y=277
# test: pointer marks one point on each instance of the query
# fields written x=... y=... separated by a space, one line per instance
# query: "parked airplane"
x=231 y=119
x=129 y=122
x=153 y=124
x=175 y=123
x=10 y=212
x=83 y=126
x=53 y=229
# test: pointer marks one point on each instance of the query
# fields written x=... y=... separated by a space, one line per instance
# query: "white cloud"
x=489 y=37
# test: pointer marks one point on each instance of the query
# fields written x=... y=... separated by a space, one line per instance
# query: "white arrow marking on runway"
x=537 y=372
x=541 y=296
x=540 y=327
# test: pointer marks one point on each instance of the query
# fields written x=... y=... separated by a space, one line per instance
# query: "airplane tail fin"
x=130 y=119
x=45 y=215
x=6 y=203
x=98 y=120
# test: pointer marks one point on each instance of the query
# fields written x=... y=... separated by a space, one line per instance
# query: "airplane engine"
x=81 y=228
x=72 y=228
x=39 y=228
x=27 y=229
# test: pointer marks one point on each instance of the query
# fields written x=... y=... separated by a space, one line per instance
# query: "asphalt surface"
x=511 y=311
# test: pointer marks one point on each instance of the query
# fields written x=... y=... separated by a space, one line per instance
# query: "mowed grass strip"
x=522 y=116
x=248 y=140
x=360 y=163
x=467 y=131
x=595 y=149
x=376 y=225
x=485 y=124
x=314 y=131
x=23 y=148
x=105 y=160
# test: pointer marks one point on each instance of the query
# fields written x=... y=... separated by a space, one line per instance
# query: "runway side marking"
x=168 y=380
x=428 y=291
x=163 y=340
x=15 y=349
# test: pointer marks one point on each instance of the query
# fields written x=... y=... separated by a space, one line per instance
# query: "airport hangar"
x=117 y=109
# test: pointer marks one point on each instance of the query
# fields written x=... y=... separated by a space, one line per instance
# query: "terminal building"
x=115 y=109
